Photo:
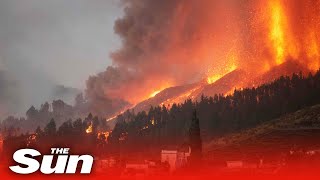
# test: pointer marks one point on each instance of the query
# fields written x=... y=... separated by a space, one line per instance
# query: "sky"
x=44 y=43
x=62 y=40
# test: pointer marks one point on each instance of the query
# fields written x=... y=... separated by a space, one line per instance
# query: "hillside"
x=235 y=79
x=285 y=69
x=176 y=94
x=225 y=85
x=300 y=129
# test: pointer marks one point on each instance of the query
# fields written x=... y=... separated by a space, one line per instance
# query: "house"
x=234 y=164
x=242 y=165
x=176 y=158
x=135 y=169
x=1 y=144
x=169 y=156
x=104 y=164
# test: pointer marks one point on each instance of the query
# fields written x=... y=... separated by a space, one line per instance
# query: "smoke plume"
x=9 y=93
x=171 y=42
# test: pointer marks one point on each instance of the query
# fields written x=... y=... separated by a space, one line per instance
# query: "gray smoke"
x=165 y=43
x=45 y=44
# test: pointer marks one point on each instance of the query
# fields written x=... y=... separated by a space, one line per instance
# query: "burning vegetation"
x=203 y=69
x=89 y=129
x=176 y=50
x=143 y=135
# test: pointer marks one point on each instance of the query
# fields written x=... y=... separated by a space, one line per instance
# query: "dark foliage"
x=162 y=127
x=146 y=133
x=195 y=140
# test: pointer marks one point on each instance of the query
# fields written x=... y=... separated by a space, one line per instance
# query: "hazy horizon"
x=46 y=43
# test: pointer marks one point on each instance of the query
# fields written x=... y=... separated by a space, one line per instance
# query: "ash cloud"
x=165 y=43
x=9 y=93
x=172 y=42
x=18 y=93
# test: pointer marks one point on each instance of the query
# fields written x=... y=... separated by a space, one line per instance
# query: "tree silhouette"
x=65 y=128
x=50 y=128
x=167 y=126
x=39 y=131
x=195 y=140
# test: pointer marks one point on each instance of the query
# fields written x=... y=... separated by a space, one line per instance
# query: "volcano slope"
x=225 y=85
x=271 y=140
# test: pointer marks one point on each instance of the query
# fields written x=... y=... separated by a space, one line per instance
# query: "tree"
x=39 y=131
x=195 y=140
x=50 y=128
x=45 y=108
x=58 y=107
x=32 y=112
x=79 y=100
x=66 y=128
x=78 y=126
x=95 y=123
x=90 y=116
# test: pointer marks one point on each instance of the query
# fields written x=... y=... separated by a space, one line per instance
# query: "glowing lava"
x=213 y=78
x=313 y=52
x=104 y=134
x=254 y=37
x=154 y=93
x=294 y=35
x=277 y=31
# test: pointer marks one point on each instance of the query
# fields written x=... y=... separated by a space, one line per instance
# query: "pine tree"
x=50 y=128
x=195 y=140
x=39 y=131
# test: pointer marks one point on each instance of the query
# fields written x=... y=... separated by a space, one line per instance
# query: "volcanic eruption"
x=173 y=50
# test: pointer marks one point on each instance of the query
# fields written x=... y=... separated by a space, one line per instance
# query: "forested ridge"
x=218 y=115
x=164 y=126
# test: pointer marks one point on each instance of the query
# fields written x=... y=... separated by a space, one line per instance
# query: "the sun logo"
x=65 y=164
